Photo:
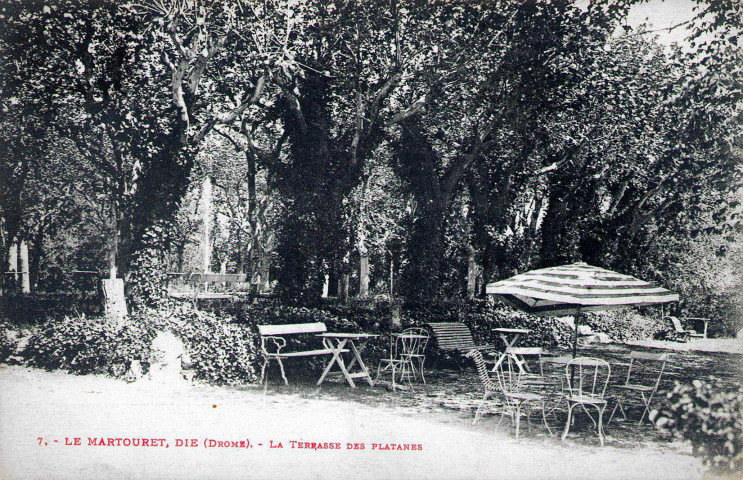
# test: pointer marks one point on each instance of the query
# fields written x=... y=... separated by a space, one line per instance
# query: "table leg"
x=357 y=358
x=336 y=359
x=498 y=362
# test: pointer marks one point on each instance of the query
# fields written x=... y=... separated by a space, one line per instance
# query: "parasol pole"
x=576 y=319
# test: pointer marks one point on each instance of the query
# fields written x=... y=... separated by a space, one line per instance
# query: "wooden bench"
x=273 y=341
x=455 y=336
x=201 y=282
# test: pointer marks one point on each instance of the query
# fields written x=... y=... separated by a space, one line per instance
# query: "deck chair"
x=680 y=332
x=587 y=379
x=508 y=382
x=642 y=365
x=455 y=336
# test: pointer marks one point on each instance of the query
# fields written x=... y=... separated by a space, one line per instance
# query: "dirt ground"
x=42 y=412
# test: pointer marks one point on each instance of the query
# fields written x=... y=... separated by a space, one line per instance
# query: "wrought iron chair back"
x=482 y=371
x=587 y=380
x=407 y=355
x=587 y=377
x=414 y=341
x=508 y=375
x=646 y=362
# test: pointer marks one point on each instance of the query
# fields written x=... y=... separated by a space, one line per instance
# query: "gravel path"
x=41 y=407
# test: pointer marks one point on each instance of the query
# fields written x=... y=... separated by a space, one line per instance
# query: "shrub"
x=624 y=325
x=37 y=307
x=8 y=342
x=88 y=345
x=221 y=350
x=709 y=416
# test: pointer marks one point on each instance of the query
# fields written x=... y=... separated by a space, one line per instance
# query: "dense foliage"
x=221 y=351
x=624 y=325
x=333 y=147
x=7 y=341
x=711 y=418
x=89 y=345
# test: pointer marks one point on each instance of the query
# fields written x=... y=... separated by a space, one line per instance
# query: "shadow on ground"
x=453 y=395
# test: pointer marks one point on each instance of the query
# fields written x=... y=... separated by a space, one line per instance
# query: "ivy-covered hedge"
x=625 y=325
x=221 y=350
x=8 y=343
x=710 y=416
x=88 y=345
x=37 y=307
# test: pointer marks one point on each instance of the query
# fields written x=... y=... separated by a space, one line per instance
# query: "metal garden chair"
x=508 y=382
x=414 y=342
x=407 y=355
x=587 y=379
x=644 y=373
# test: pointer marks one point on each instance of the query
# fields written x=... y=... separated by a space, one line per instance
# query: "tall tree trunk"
x=252 y=214
x=206 y=212
x=265 y=272
x=392 y=277
x=113 y=249
x=310 y=231
x=363 y=270
x=557 y=248
x=417 y=163
x=471 y=272
x=13 y=265
x=343 y=285
x=25 y=267
x=533 y=228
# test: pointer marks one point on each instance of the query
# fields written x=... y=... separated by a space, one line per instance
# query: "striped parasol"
x=576 y=288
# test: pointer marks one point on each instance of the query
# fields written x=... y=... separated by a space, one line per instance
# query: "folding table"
x=337 y=342
x=514 y=333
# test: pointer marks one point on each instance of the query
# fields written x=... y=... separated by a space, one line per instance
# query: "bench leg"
x=263 y=371
x=281 y=366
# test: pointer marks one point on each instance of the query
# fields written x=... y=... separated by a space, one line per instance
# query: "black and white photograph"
x=371 y=239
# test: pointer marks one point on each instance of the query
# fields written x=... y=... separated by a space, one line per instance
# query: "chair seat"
x=392 y=360
x=586 y=399
x=524 y=396
x=636 y=388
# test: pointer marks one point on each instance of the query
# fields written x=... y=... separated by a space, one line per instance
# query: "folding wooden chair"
x=644 y=373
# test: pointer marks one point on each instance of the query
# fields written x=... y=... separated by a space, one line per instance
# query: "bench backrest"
x=218 y=277
x=292 y=329
x=452 y=336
